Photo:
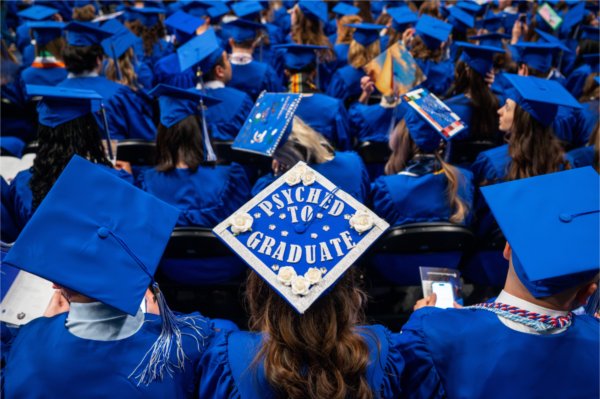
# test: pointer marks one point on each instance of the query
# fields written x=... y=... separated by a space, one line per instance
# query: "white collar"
x=87 y=74
x=99 y=322
x=509 y=299
x=240 y=58
x=214 y=84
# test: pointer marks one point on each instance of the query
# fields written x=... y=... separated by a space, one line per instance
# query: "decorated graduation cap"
x=551 y=222
x=460 y=19
x=241 y=30
x=432 y=31
x=184 y=25
x=177 y=104
x=344 y=9
x=62 y=104
x=315 y=9
x=46 y=31
x=203 y=50
x=539 y=97
x=37 y=13
x=536 y=55
x=82 y=34
x=269 y=123
x=365 y=33
x=108 y=249
x=148 y=16
x=247 y=9
x=300 y=234
x=402 y=18
x=491 y=39
x=479 y=57
x=299 y=56
x=548 y=38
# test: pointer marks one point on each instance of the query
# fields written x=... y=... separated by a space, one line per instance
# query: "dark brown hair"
x=181 y=142
x=54 y=47
x=81 y=59
x=150 y=35
x=318 y=354
x=85 y=14
x=533 y=148
x=421 y=51
x=310 y=31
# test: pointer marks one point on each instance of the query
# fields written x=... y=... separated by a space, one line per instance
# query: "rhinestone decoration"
x=347 y=217
x=319 y=215
x=257 y=215
x=282 y=216
x=323 y=270
x=314 y=235
x=325 y=228
x=284 y=233
x=271 y=227
x=275 y=267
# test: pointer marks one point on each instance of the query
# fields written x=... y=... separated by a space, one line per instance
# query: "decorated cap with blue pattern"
x=551 y=223
x=300 y=234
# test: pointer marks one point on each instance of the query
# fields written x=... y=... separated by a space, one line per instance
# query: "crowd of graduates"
x=78 y=76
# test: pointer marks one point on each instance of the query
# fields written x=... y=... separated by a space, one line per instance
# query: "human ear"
x=507 y=253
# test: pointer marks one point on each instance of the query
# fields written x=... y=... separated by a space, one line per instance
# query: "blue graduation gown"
x=43 y=76
x=8 y=227
x=468 y=353
x=64 y=365
x=21 y=197
x=28 y=55
x=440 y=75
x=587 y=118
x=341 y=53
x=568 y=126
x=227 y=369
x=16 y=119
x=461 y=105
x=160 y=49
x=166 y=71
x=254 y=77
x=404 y=198
x=576 y=79
x=580 y=157
x=345 y=84
x=227 y=118
x=492 y=165
x=370 y=122
x=343 y=171
x=205 y=197
x=328 y=116
x=127 y=112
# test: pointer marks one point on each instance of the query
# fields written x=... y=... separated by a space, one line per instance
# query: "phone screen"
x=445 y=295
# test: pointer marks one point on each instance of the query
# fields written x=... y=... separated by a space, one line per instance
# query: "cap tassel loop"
x=157 y=359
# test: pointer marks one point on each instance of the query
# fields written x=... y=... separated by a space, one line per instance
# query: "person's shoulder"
x=459 y=99
x=22 y=177
x=348 y=157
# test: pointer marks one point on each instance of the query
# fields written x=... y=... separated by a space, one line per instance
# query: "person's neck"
x=241 y=50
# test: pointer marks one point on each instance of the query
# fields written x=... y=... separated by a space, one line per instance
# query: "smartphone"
x=444 y=293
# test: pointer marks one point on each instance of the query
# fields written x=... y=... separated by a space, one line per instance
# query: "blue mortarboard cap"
x=84 y=34
x=299 y=56
x=593 y=60
x=589 y=32
x=551 y=222
x=63 y=104
x=539 y=97
x=508 y=20
x=46 y=31
x=302 y=249
x=432 y=31
x=177 y=104
x=241 y=30
x=479 y=57
x=491 y=39
x=469 y=6
x=402 y=18
x=196 y=8
x=37 y=13
x=113 y=26
x=148 y=16
x=365 y=33
x=344 y=9
x=247 y=9
x=109 y=246
x=491 y=22
x=218 y=10
x=460 y=19
x=183 y=25
x=201 y=48
x=269 y=123
x=536 y=54
x=548 y=38
x=315 y=9
x=572 y=17
x=118 y=43
x=13 y=145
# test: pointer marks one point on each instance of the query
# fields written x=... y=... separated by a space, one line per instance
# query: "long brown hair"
x=128 y=75
x=310 y=31
x=364 y=12
x=533 y=148
x=595 y=141
x=484 y=119
x=344 y=33
x=591 y=89
x=181 y=142
x=359 y=55
x=150 y=35
x=318 y=354
x=420 y=50
x=85 y=14
x=404 y=149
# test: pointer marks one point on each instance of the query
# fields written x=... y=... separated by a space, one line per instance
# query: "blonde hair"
x=420 y=50
x=359 y=55
x=303 y=144
x=404 y=149
x=85 y=14
x=128 y=75
x=344 y=33
x=310 y=31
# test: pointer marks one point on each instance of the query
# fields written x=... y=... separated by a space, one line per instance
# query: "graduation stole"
x=301 y=83
x=47 y=60
x=539 y=322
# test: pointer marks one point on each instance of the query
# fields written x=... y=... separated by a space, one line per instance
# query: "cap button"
x=300 y=228
x=565 y=217
x=103 y=232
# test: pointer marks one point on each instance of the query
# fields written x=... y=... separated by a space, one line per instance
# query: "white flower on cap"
x=308 y=177
x=313 y=275
x=294 y=176
x=300 y=285
x=240 y=223
x=286 y=274
x=361 y=221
